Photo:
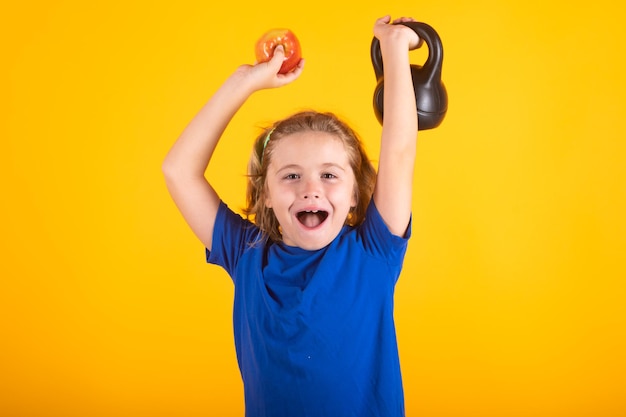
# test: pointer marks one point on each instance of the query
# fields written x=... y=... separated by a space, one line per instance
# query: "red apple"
x=274 y=37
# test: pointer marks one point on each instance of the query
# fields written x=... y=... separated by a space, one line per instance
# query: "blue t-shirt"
x=314 y=330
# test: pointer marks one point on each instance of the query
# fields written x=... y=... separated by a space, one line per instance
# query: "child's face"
x=310 y=188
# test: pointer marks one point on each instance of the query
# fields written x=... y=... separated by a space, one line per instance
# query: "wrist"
x=240 y=82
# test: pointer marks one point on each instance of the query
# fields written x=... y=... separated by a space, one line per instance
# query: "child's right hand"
x=265 y=74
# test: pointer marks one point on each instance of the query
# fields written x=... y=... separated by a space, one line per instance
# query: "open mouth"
x=312 y=218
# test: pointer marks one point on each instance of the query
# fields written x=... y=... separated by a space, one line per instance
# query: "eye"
x=328 y=176
x=291 y=177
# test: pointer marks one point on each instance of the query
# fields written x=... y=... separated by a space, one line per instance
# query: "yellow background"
x=512 y=299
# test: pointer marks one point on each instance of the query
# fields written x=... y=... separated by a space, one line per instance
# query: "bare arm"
x=394 y=183
x=185 y=164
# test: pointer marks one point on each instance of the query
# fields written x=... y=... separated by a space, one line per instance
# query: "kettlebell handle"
x=431 y=98
x=430 y=37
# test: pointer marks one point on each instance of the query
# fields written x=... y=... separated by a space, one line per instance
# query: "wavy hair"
x=306 y=121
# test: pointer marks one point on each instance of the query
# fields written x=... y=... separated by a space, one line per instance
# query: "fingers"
x=418 y=41
x=383 y=20
x=403 y=20
x=277 y=57
x=291 y=75
x=279 y=50
x=387 y=19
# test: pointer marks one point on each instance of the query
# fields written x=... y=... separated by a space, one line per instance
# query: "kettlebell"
x=431 y=97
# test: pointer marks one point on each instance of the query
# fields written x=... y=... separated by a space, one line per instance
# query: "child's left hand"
x=385 y=29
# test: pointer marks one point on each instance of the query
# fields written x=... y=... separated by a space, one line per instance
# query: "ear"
x=354 y=201
x=267 y=199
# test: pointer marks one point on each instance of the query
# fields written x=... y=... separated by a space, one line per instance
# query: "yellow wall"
x=512 y=299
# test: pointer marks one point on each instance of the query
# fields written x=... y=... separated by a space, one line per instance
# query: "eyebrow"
x=324 y=166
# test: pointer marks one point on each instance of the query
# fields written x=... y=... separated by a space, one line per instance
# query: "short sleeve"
x=378 y=239
x=232 y=235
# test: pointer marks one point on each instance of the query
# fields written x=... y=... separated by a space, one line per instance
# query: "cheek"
x=274 y=196
x=268 y=192
x=345 y=196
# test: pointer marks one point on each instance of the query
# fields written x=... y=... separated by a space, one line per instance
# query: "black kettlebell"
x=431 y=97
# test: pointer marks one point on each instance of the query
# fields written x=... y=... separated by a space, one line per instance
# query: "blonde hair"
x=312 y=121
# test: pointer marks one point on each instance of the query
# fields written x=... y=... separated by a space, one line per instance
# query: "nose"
x=311 y=190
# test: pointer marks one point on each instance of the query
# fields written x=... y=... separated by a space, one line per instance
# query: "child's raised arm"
x=394 y=183
x=185 y=164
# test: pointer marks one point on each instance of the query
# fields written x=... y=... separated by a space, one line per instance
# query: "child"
x=316 y=261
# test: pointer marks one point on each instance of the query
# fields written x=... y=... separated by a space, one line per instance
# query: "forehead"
x=310 y=146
